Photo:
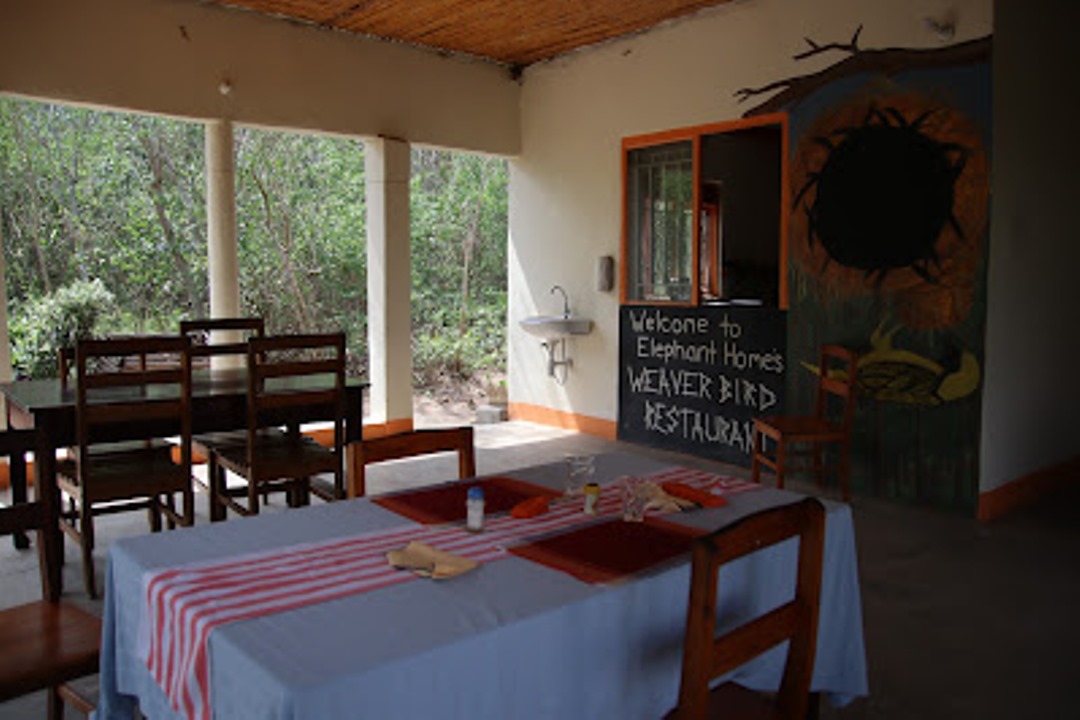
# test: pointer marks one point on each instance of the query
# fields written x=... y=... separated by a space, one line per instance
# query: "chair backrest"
x=206 y=343
x=837 y=376
x=110 y=390
x=418 y=442
x=65 y=358
x=290 y=371
x=705 y=656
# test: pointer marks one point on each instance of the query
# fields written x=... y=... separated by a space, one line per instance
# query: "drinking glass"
x=635 y=496
x=579 y=472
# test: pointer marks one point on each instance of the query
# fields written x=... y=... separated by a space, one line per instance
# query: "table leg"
x=50 y=540
x=354 y=478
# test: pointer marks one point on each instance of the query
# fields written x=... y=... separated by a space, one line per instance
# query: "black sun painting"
x=890 y=196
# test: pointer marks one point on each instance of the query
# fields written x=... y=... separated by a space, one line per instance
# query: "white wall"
x=170 y=56
x=1033 y=327
x=565 y=204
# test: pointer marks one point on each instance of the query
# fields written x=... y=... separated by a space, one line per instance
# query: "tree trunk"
x=284 y=248
x=35 y=208
x=156 y=158
x=469 y=247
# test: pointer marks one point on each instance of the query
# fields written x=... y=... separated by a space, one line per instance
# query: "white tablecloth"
x=513 y=639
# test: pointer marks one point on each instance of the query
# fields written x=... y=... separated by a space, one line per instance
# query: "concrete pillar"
x=221 y=255
x=387 y=166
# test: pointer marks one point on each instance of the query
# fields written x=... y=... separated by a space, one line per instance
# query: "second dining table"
x=219 y=403
x=300 y=614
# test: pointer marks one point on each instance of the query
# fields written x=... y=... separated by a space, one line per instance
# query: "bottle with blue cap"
x=474 y=509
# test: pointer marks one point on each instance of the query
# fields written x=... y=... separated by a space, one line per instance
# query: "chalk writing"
x=740 y=359
x=692 y=424
x=692 y=379
x=653 y=348
x=670 y=383
x=655 y=320
x=747 y=393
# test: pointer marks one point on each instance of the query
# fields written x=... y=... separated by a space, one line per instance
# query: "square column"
x=389 y=282
x=222 y=261
x=221 y=257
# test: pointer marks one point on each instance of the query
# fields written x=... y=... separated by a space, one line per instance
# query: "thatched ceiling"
x=514 y=32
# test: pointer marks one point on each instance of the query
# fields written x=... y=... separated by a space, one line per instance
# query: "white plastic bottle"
x=474 y=509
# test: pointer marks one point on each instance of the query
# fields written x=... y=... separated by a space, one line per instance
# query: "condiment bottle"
x=474 y=509
x=592 y=498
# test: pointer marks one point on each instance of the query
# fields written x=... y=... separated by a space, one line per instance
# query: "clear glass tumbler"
x=580 y=471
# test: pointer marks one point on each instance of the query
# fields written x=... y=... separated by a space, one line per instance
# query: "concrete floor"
x=963 y=620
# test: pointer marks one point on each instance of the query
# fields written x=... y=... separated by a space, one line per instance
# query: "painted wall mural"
x=888 y=226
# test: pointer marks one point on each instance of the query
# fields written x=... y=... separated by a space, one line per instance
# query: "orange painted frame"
x=694 y=134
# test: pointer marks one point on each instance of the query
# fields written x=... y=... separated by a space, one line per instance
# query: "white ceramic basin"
x=551 y=327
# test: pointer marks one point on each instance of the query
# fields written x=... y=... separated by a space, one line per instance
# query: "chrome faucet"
x=565 y=300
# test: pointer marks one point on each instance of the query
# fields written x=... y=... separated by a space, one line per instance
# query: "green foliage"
x=459 y=231
x=302 y=233
x=56 y=321
x=120 y=198
x=441 y=353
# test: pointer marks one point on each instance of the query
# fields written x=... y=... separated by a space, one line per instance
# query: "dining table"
x=218 y=403
x=308 y=613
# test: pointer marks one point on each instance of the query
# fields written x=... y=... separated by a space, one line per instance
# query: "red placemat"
x=611 y=550
x=446 y=503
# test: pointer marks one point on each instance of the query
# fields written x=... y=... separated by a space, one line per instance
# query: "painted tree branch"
x=815 y=49
x=888 y=61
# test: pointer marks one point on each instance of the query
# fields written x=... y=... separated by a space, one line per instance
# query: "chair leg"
x=86 y=541
x=254 y=491
x=153 y=514
x=781 y=457
x=170 y=505
x=56 y=704
x=215 y=478
x=189 y=506
x=294 y=495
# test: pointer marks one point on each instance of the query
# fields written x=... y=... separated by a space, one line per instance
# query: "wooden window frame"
x=694 y=134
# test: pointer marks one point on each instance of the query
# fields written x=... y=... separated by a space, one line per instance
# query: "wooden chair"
x=829 y=425
x=413 y=443
x=107 y=477
x=45 y=644
x=283 y=371
x=706 y=657
x=204 y=349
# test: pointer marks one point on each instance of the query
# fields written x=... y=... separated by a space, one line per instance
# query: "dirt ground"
x=454 y=401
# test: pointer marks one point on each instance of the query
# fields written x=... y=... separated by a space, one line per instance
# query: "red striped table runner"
x=185 y=603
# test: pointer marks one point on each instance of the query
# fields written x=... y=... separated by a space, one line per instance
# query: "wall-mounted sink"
x=552 y=327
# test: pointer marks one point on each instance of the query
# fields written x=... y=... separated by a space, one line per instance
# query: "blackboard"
x=693 y=378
